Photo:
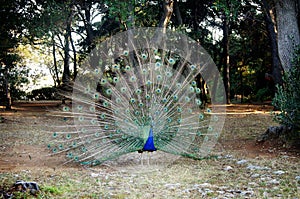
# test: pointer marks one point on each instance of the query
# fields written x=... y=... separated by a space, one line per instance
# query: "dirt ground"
x=25 y=133
x=18 y=150
x=243 y=124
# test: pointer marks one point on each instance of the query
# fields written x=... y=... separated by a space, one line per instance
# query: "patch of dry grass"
x=184 y=179
x=265 y=173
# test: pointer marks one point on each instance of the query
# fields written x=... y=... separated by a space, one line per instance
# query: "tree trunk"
x=177 y=14
x=288 y=31
x=277 y=70
x=88 y=26
x=74 y=55
x=66 y=71
x=242 y=85
x=168 y=11
x=225 y=58
x=164 y=20
x=56 y=78
x=7 y=90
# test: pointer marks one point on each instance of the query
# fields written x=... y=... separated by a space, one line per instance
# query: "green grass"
x=53 y=190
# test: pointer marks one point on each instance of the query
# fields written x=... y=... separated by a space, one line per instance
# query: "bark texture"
x=288 y=30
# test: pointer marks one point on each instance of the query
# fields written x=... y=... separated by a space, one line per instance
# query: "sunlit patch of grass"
x=246 y=126
x=52 y=190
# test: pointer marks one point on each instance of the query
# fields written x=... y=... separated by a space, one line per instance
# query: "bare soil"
x=243 y=124
x=25 y=133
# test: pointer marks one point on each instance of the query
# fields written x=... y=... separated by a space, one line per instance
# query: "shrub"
x=47 y=93
x=263 y=94
x=287 y=100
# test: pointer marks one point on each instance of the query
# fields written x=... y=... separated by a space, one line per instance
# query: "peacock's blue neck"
x=149 y=145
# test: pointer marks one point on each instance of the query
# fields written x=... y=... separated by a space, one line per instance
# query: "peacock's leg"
x=149 y=157
x=141 y=158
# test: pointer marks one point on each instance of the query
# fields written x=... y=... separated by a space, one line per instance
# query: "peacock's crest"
x=140 y=91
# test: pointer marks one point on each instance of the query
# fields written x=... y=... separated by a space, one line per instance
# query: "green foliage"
x=44 y=22
x=52 y=190
x=229 y=7
x=250 y=58
x=15 y=75
x=287 y=98
x=263 y=94
x=18 y=77
x=47 y=93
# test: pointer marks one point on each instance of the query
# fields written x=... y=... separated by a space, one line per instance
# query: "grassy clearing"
x=184 y=179
x=242 y=170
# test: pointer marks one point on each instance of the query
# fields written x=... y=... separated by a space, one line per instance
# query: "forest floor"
x=243 y=168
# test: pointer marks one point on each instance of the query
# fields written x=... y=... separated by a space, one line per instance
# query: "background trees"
x=11 y=30
x=247 y=39
x=252 y=42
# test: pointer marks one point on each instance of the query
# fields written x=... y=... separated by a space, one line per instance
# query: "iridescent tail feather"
x=139 y=98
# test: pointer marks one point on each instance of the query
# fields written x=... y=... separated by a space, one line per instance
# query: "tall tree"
x=287 y=97
x=226 y=57
x=287 y=17
x=282 y=18
x=276 y=72
x=51 y=26
x=227 y=11
x=66 y=78
x=11 y=24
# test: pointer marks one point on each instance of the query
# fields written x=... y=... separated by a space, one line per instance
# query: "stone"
x=255 y=175
x=172 y=186
x=241 y=162
x=279 y=172
x=274 y=181
x=228 y=168
x=253 y=167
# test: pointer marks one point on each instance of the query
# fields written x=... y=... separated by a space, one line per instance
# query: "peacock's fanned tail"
x=138 y=96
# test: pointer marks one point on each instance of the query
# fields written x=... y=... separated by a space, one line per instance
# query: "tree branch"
x=168 y=11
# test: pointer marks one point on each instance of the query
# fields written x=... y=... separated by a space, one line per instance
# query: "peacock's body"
x=140 y=91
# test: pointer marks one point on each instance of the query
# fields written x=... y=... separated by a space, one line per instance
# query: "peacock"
x=140 y=91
